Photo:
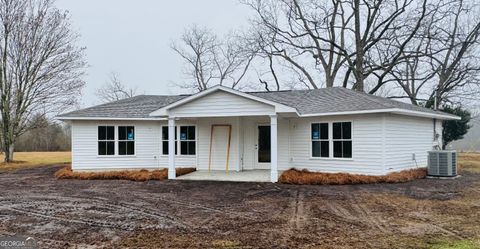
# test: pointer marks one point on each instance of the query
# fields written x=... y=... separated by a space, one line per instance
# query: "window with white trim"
x=106 y=140
x=342 y=139
x=320 y=140
x=126 y=140
x=165 y=140
x=187 y=140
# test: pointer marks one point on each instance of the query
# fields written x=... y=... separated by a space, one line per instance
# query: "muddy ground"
x=180 y=214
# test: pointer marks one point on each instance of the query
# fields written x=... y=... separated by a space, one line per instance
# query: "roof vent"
x=442 y=163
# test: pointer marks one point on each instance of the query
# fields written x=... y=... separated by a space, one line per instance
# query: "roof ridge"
x=385 y=99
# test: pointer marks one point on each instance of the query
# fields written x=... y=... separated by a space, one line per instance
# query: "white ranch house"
x=220 y=129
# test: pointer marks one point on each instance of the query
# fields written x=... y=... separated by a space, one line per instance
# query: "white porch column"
x=273 y=149
x=171 y=148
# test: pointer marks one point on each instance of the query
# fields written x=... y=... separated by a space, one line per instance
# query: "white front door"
x=263 y=147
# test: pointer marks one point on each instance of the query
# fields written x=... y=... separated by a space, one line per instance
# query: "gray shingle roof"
x=318 y=101
x=336 y=99
x=136 y=107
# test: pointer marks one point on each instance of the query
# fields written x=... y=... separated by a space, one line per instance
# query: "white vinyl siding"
x=381 y=143
x=147 y=143
x=366 y=147
x=405 y=136
x=222 y=104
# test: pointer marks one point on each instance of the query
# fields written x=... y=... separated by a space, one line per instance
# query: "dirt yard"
x=424 y=213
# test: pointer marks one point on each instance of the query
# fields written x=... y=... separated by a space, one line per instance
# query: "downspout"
x=436 y=144
x=386 y=170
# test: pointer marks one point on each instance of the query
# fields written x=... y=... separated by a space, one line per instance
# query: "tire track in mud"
x=340 y=212
x=191 y=205
x=24 y=205
x=87 y=222
x=366 y=216
x=297 y=215
x=352 y=211
x=298 y=218
x=53 y=207
x=423 y=220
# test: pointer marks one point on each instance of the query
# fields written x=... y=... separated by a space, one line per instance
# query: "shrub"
x=305 y=177
x=132 y=175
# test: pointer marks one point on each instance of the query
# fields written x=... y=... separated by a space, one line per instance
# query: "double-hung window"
x=320 y=141
x=187 y=140
x=165 y=140
x=342 y=139
x=106 y=140
x=331 y=139
x=126 y=140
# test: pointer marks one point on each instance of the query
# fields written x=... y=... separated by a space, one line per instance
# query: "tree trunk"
x=359 y=49
x=329 y=80
x=8 y=150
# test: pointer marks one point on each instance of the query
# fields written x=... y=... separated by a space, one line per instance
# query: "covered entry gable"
x=221 y=101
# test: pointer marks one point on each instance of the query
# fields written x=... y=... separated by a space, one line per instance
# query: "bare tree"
x=40 y=65
x=291 y=31
x=114 y=90
x=46 y=136
x=444 y=57
x=315 y=37
x=212 y=61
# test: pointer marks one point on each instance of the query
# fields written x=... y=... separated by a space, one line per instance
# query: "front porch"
x=241 y=148
x=234 y=132
x=231 y=176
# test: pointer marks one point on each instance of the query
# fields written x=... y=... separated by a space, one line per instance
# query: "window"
x=165 y=140
x=106 y=140
x=126 y=140
x=342 y=140
x=187 y=140
x=320 y=141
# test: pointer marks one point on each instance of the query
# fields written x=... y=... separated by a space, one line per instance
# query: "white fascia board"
x=346 y=113
x=110 y=118
x=391 y=110
x=278 y=107
x=428 y=115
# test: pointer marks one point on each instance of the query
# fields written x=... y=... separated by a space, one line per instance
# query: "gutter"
x=391 y=110
x=110 y=118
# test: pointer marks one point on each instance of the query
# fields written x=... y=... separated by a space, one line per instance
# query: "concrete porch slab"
x=231 y=176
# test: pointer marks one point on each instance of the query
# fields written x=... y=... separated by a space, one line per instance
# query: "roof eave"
x=110 y=118
x=390 y=110
x=428 y=115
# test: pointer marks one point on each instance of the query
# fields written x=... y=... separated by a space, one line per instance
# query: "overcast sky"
x=133 y=38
